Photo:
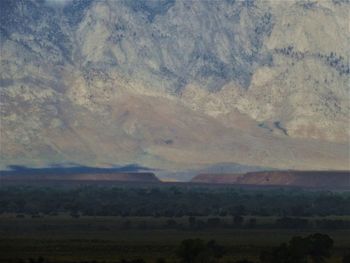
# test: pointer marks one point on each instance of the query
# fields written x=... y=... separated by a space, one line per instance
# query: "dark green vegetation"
x=173 y=223
x=317 y=247
x=172 y=201
x=66 y=239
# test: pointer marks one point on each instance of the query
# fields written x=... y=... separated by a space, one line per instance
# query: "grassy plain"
x=63 y=238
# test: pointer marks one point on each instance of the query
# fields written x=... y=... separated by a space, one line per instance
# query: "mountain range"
x=175 y=85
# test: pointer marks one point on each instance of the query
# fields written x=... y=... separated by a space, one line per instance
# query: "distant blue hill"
x=23 y=170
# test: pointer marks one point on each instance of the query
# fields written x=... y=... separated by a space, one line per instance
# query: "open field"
x=108 y=223
x=65 y=239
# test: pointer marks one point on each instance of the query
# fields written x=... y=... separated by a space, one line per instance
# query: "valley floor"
x=63 y=238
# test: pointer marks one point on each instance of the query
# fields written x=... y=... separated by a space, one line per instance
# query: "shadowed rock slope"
x=175 y=84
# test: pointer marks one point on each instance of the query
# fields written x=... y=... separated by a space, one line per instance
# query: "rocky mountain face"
x=175 y=84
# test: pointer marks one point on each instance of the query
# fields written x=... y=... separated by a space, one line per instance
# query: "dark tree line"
x=171 y=202
x=333 y=60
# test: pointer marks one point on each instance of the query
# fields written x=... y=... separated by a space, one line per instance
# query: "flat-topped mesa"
x=105 y=177
x=317 y=179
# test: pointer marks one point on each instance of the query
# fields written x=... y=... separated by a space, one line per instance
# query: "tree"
x=197 y=251
x=190 y=249
x=216 y=250
x=319 y=247
x=298 y=250
x=316 y=246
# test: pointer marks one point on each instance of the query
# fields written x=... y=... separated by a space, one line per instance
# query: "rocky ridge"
x=175 y=84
